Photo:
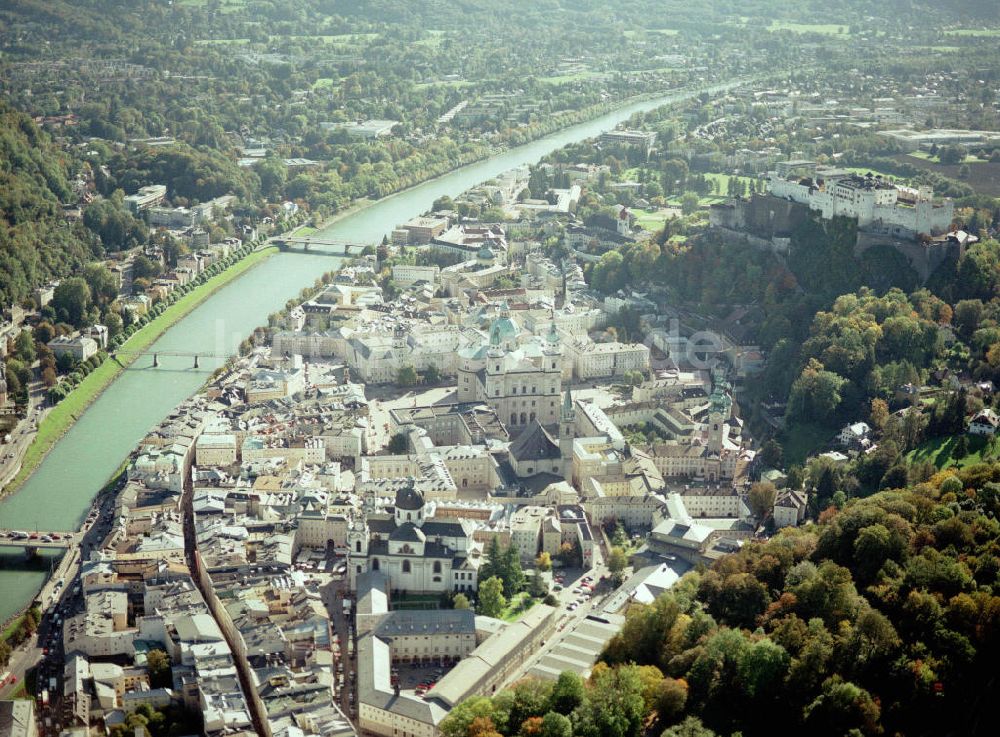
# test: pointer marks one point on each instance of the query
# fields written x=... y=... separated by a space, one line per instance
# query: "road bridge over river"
x=34 y=540
x=319 y=245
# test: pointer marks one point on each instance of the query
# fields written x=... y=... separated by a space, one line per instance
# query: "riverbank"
x=565 y=120
x=60 y=418
x=80 y=464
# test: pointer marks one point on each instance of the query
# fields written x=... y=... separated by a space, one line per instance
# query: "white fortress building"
x=877 y=203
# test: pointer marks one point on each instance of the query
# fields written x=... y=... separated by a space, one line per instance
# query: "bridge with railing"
x=34 y=540
x=320 y=245
x=157 y=353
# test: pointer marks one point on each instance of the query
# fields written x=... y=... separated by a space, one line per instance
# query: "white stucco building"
x=416 y=553
x=876 y=203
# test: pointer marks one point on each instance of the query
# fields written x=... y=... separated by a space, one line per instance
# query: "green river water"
x=59 y=493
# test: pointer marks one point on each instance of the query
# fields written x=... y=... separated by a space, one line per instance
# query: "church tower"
x=720 y=407
x=624 y=226
x=357 y=549
x=357 y=538
x=398 y=338
x=567 y=425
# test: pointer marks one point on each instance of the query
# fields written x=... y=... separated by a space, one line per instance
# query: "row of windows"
x=407 y=568
x=525 y=419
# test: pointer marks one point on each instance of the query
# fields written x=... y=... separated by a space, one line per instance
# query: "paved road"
x=22 y=435
x=58 y=598
x=341 y=626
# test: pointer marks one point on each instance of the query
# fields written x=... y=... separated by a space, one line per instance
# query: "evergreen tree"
x=511 y=573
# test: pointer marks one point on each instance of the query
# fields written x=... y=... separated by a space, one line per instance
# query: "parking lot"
x=418 y=677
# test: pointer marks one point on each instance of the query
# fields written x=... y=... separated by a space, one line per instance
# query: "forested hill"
x=36 y=243
x=882 y=619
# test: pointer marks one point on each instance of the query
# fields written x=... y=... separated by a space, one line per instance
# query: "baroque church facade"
x=417 y=553
x=519 y=379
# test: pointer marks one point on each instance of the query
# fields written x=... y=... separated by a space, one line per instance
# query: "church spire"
x=567 y=408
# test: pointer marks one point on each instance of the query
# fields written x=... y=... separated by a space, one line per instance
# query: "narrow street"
x=341 y=630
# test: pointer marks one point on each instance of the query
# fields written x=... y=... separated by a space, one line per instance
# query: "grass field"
x=653 y=220
x=866 y=170
x=825 y=29
x=926 y=156
x=416 y=601
x=632 y=33
x=346 y=39
x=456 y=83
x=939 y=451
x=303 y=230
x=566 y=78
x=223 y=41
x=711 y=199
x=984 y=32
x=226 y=6
x=802 y=440
x=517 y=606
x=432 y=40
x=983 y=179
x=64 y=414
x=11 y=628
x=723 y=180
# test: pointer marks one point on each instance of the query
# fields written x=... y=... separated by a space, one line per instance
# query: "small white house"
x=81 y=347
x=854 y=434
x=789 y=508
x=985 y=422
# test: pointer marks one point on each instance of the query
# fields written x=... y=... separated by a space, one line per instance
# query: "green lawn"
x=566 y=78
x=651 y=220
x=347 y=39
x=456 y=83
x=632 y=33
x=985 y=32
x=704 y=200
x=826 y=29
x=939 y=451
x=68 y=411
x=865 y=170
x=925 y=156
x=518 y=605
x=226 y=6
x=723 y=180
x=416 y=601
x=303 y=230
x=432 y=40
x=222 y=41
x=12 y=627
x=802 y=440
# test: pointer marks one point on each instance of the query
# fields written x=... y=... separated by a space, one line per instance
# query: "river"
x=59 y=493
